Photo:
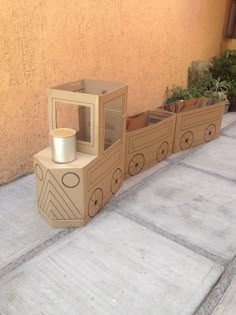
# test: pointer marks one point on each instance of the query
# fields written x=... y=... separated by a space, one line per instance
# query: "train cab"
x=71 y=194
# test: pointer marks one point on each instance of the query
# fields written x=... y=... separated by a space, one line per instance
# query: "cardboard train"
x=111 y=146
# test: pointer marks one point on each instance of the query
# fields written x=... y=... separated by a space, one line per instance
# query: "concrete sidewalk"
x=165 y=244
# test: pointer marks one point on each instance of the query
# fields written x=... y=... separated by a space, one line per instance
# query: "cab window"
x=113 y=121
x=77 y=117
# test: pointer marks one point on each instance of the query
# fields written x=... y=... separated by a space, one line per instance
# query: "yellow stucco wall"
x=228 y=44
x=148 y=44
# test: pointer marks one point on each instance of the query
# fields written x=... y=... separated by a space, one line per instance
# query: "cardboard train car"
x=111 y=146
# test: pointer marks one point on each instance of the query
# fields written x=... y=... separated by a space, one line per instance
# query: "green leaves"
x=214 y=79
x=177 y=93
x=224 y=66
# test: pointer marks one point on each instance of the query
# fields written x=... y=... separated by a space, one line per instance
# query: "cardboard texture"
x=137 y=121
x=71 y=194
x=197 y=121
x=150 y=140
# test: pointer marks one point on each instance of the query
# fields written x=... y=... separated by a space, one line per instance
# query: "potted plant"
x=225 y=68
x=201 y=77
x=218 y=89
x=178 y=93
x=214 y=79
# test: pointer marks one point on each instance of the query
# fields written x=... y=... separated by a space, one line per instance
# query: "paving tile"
x=218 y=157
x=228 y=119
x=111 y=266
x=175 y=157
x=134 y=180
x=190 y=205
x=21 y=227
x=227 y=306
x=230 y=131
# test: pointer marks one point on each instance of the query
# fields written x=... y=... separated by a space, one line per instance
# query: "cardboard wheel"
x=186 y=140
x=95 y=202
x=136 y=164
x=210 y=133
x=116 y=180
x=162 y=151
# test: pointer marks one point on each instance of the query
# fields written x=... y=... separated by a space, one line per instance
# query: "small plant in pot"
x=178 y=93
x=200 y=76
x=218 y=89
x=225 y=67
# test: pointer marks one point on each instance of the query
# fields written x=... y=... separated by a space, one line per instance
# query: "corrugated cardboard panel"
x=149 y=145
x=198 y=126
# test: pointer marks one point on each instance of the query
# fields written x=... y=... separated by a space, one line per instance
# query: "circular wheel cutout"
x=116 y=180
x=210 y=133
x=39 y=172
x=70 y=180
x=95 y=202
x=162 y=152
x=186 y=140
x=136 y=164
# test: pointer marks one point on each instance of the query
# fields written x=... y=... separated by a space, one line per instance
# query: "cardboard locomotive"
x=110 y=145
